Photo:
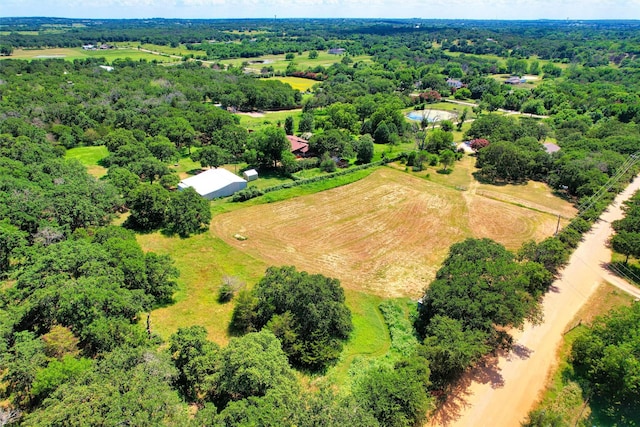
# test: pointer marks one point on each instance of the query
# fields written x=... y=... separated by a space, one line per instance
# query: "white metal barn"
x=214 y=183
x=250 y=175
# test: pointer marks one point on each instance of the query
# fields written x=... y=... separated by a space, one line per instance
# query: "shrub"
x=246 y=194
x=228 y=289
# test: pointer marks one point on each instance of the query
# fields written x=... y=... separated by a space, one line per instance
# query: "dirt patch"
x=386 y=234
x=251 y=114
x=432 y=115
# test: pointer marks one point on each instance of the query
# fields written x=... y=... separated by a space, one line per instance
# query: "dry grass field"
x=69 y=54
x=299 y=83
x=388 y=233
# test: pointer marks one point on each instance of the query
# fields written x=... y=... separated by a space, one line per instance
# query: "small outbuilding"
x=250 y=175
x=214 y=183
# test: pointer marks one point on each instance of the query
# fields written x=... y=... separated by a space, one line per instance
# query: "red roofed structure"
x=299 y=146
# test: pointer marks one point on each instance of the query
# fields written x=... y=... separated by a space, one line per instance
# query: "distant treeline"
x=565 y=41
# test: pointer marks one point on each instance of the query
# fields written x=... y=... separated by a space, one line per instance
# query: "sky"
x=427 y=9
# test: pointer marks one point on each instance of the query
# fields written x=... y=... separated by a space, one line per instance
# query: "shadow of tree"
x=454 y=400
x=628 y=271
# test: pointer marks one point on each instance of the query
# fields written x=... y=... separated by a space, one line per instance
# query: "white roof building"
x=214 y=183
x=250 y=175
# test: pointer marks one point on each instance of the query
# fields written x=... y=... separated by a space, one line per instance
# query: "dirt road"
x=502 y=392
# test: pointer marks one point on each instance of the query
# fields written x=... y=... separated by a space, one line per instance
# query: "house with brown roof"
x=299 y=146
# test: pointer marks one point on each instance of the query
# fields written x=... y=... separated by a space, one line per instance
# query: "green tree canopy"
x=188 y=213
x=480 y=285
x=268 y=144
x=307 y=312
x=148 y=204
x=608 y=357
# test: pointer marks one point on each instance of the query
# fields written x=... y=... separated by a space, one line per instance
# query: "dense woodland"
x=76 y=289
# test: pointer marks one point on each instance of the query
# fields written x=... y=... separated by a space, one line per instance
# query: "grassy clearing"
x=563 y=394
x=500 y=60
x=303 y=85
x=369 y=339
x=185 y=167
x=269 y=179
x=391 y=150
x=70 y=54
x=279 y=63
x=203 y=260
x=163 y=50
x=89 y=157
x=255 y=120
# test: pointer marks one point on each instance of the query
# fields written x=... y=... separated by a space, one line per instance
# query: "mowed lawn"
x=90 y=157
x=386 y=234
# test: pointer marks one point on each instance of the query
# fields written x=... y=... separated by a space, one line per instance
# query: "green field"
x=90 y=157
x=504 y=60
x=70 y=54
x=205 y=259
x=279 y=63
x=255 y=120
x=161 y=49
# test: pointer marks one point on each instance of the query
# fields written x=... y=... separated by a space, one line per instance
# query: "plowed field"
x=386 y=234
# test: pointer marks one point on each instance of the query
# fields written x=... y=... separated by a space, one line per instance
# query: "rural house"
x=455 y=84
x=214 y=183
x=514 y=80
x=299 y=146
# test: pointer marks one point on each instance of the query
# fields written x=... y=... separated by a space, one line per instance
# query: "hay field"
x=69 y=54
x=386 y=234
x=299 y=83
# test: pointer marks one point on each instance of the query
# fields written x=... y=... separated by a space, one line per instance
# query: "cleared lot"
x=386 y=234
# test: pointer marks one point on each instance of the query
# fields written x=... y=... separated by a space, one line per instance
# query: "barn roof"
x=298 y=144
x=210 y=180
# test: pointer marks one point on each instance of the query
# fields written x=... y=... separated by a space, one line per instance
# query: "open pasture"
x=70 y=54
x=279 y=63
x=386 y=234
